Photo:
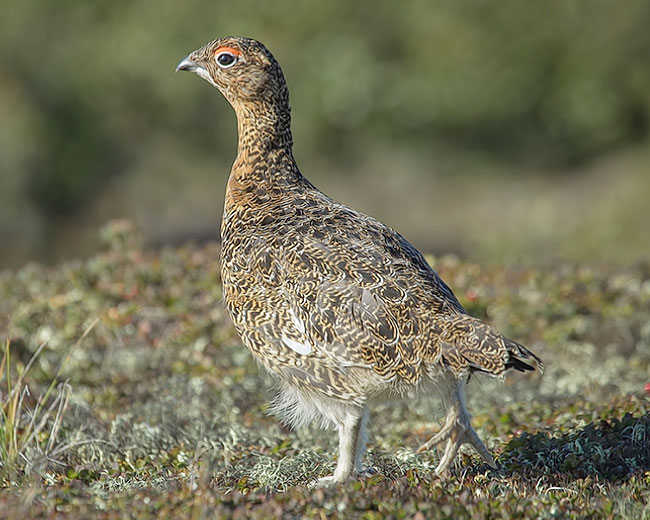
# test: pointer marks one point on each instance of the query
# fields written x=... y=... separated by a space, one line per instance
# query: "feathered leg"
x=362 y=439
x=457 y=429
x=451 y=404
x=443 y=434
x=349 y=429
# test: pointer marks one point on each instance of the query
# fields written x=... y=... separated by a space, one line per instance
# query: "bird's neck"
x=264 y=154
x=264 y=127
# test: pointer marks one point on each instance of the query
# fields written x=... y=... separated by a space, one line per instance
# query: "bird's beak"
x=187 y=64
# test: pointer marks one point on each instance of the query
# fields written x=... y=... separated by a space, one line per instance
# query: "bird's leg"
x=362 y=439
x=349 y=429
x=457 y=429
x=471 y=437
x=443 y=434
x=461 y=433
x=450 y=452
x=451 y=404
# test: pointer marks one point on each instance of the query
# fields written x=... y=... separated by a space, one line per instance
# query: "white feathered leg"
x=457 y=429
x=349 y=429
x=443 y=434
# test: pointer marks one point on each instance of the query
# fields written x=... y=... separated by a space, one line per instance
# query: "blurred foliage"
x=88 y=92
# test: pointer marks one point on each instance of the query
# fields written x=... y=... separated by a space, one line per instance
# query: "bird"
x=340 y=308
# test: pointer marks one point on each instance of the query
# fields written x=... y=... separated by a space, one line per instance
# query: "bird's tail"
x=469 y=344
x=520 y=358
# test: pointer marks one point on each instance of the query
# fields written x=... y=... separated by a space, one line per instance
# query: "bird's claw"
x=324 y=482
x=367 y=472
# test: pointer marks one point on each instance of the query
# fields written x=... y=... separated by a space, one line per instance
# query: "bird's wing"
x=359 y=295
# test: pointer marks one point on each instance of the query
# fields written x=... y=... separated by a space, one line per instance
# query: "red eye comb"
x=227 y=49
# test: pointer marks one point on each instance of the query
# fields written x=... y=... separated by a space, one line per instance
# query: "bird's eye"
x=225 y=59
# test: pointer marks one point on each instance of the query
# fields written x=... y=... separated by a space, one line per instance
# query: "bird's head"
x=243 y=70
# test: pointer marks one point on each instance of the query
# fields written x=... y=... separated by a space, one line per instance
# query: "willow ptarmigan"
x=341 y=308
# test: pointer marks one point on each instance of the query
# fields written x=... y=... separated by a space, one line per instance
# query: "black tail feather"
x=518 y=364
x=522 y=359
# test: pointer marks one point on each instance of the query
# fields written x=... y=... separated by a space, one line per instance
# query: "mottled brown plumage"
x=337 y=305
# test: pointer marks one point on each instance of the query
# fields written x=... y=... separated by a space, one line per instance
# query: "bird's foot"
x=463 y=434
x=470 y=437
x=367 y=472
x=442 y=474
x=325 y=482
x=332 y=480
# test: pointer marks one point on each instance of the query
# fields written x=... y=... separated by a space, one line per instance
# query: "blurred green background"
x=499 y=130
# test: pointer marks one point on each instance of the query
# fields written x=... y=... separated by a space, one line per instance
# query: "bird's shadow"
x=607 y=450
